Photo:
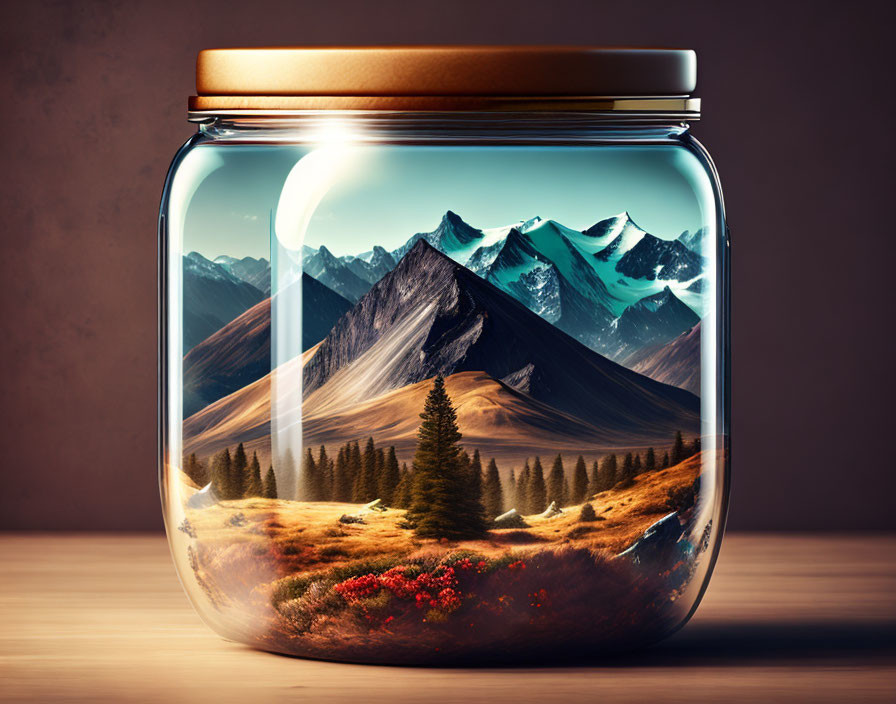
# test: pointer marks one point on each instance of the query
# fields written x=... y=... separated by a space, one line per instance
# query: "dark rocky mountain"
x=451 y=235
x=253 y=271
x=372 y=269
x=334 y=274
x=653 y=320
x=432 y=316
x=693 y=240
x=212 y=297
x=240 y=352
x=652 y=258
x=676 y=363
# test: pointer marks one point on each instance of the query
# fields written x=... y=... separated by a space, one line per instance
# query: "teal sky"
x=383 y=195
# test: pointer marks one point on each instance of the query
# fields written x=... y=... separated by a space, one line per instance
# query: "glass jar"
x=444 y=351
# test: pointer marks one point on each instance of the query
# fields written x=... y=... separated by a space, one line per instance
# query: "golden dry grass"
x=312 y=537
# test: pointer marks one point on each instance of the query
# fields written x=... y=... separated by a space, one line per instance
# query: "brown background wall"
x=799 y=112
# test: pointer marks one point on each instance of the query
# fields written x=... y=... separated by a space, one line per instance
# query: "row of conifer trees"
x=360 y=476
x=233 y=476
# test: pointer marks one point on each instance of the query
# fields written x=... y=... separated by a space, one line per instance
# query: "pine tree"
x=354 y=467
x=493 y=494
x=650 y=460
x=389 y=478
x=324 y=478
x=627 y=474
x=221 y=474
x=366 y=484
x=476 y=476
x=594 y=483
x=609 y=469
x=555 y=482
x=522 y=490
x=342 y=484
x=440 y=505
x=254 y=486
x=665 y=463
x=309 y=477
x=636 y=467
x=678 y=453
x=510 y=494
x=379 y=470
x=270 y=484
x=196 y=470
x=537 y=490
x=579 y=482
x=238 y=472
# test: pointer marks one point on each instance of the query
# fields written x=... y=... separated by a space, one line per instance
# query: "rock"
x=203 y=498
x=345 y=518
x=551 y=511
x=511 y=519
x=660 y=546
x=375 y=505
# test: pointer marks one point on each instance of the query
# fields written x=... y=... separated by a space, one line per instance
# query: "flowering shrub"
x=395 y=609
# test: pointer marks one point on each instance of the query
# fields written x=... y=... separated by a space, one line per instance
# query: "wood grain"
x=786 y=618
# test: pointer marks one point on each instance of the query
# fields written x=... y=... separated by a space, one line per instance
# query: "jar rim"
x=445 y=78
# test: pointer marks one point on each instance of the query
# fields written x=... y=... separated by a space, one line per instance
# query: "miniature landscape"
x=474 y=470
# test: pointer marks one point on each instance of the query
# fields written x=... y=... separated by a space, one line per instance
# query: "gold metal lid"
x=272 y=80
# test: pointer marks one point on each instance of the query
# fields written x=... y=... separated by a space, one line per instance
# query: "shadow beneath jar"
x=749 y=645
x=719 y=645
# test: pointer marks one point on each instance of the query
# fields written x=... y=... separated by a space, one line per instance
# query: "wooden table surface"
x=786 y=618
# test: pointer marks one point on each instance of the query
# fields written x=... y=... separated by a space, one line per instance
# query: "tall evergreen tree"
x=609 y=469
x=270 y=484
x=665 y=463
x=510 y=494
x=594 y=481
x=537 y=490
x=476 y=475
x=492 y=493
x=522 y=489
x=555 y=482
x=238 y=472
x=441 y=506
x=678 y=453
x=636 y=466
x=220 y=474
x=650 y=460
x=579 y=482
x=379 y=470
x=389 y=478
x=196 y=470
x=354 y=466
x=627 y=473
x=324 y=483
x=309 y=477
x=342 y=483
x=366 y=484
x=254 y=485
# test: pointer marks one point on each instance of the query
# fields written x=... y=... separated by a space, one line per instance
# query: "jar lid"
x=445 y=78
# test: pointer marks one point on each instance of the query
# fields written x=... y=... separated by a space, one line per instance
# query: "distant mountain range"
x=518 y=382
x=614 y=287
x=581 y=281
x=212 y=298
